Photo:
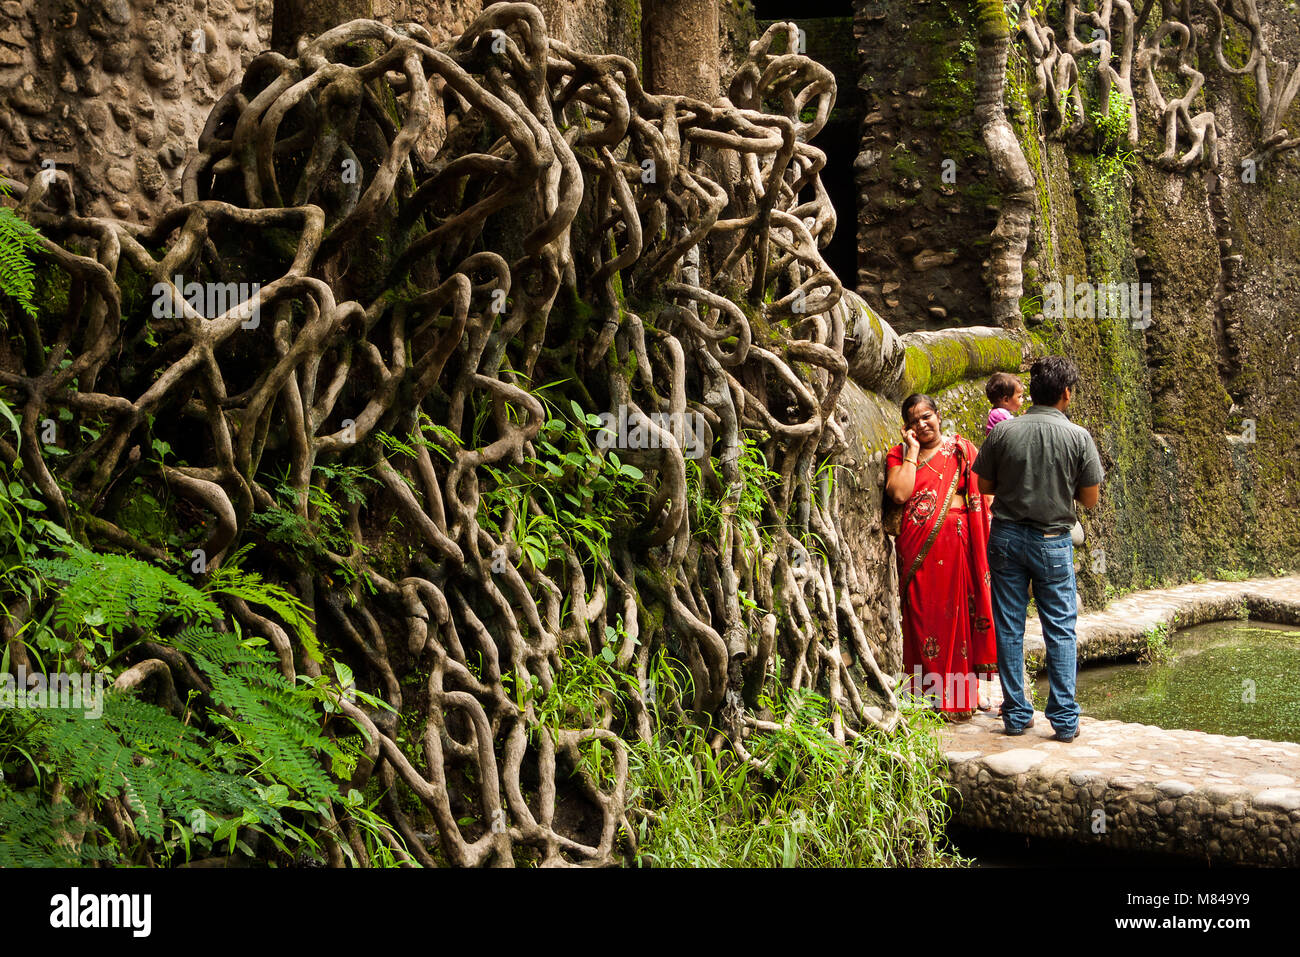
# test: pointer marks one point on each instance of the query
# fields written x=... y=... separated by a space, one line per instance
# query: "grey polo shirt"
x=1037 y=461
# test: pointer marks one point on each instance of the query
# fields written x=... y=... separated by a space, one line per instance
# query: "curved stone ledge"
x=1119 y=631
x=1229 y=800
x=936 y=360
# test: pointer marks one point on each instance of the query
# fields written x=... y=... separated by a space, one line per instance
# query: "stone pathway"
x=1207 y=796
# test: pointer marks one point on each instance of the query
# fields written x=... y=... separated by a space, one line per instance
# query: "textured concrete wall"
x=922 y=240
x=114 y=91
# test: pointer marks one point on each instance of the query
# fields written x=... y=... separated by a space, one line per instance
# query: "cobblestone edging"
x=1229 y=800
x=1119 y=631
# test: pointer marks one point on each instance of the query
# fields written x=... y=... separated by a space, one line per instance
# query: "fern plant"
x=113 y=591
x=17 y=239
x=247 y=750
x=230 y=579
x=248 y=759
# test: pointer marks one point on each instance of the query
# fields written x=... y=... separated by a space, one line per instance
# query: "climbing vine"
x=439 y=267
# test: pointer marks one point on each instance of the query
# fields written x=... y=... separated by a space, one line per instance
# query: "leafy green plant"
x=17 y=239
x=580 y=683
x=137 y=754
x=230 y=579
x=436 y=438
x=1112 y=125
x=806 y=801
x=1106 y=172
x=706 y=510
x=379 y=836
x=757 y=480
x=569 y=493
x=310 y=539
x=191 y=789
x=1030 y=306
x=1065 y=104
x=110 y=592
x=1157 y=648
x=1231 y=574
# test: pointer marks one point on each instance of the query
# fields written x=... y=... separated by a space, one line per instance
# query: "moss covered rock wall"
x=1196 y=410
x=1196 y=407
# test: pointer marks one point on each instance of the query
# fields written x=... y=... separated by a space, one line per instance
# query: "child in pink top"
x=1007 y=394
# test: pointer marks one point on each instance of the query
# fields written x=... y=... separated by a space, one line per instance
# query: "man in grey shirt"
x=1037 y=466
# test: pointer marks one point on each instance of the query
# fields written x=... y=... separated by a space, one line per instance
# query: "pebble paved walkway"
x=1207 y=796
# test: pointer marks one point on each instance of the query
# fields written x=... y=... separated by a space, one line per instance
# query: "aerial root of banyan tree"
x=432 y=230
x=1114 y=31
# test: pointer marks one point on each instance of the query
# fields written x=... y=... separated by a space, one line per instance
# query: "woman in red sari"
x=943 y=572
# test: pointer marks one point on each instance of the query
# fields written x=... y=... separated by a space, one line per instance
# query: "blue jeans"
x=1019 y=554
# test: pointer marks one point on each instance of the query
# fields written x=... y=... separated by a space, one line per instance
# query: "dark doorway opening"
x=828 y=28
x=771 y=10
x=839 y=141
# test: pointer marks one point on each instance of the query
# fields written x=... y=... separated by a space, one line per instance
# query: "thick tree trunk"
x=1011 y=235
x=680 y=47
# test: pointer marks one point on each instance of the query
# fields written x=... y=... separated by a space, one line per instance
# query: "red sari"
x=943 y=576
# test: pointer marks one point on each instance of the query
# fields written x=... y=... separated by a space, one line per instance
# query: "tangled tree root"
x=430 y=233
x=1116 y=38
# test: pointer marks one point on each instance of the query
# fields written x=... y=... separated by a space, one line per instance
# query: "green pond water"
x=1228 y=677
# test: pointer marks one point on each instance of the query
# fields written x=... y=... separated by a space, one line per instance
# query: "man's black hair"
x=1050 y=377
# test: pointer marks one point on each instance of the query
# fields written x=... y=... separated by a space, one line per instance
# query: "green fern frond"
x=17 y=276
x=275 y=723
x=114 y=591
x=162 y=769
x=36 y=833
x=232 y=580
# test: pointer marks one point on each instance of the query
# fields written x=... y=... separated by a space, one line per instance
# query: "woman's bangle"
x=911 y=462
